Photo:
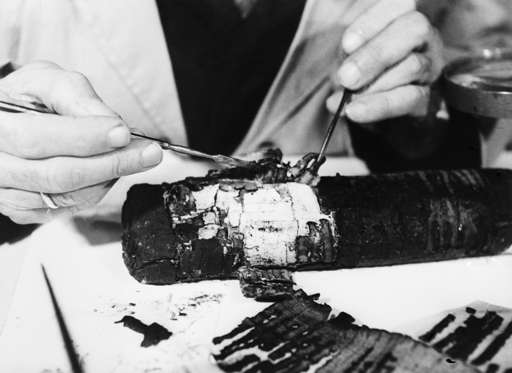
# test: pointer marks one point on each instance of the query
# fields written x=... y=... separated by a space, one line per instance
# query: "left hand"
x=394 y=55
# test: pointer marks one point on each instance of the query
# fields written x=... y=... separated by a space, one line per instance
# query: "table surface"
x=83 y=259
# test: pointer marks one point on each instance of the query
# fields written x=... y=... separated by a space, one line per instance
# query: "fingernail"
x=349 y=75
x=151 y=155
x=351 y=42
x=331 y=103
x=119 y=136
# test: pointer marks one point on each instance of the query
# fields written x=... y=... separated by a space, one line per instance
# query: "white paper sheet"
x=95 y=290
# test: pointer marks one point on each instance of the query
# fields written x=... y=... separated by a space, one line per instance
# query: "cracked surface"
x=266 y=223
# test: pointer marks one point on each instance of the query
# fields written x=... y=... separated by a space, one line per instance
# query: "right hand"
x=74 y=157
x=394 y=57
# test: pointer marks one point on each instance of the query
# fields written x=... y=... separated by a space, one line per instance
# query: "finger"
x=356 y=9
x=64 y=174
x=374 y=20
x=405 y=100
x=16 y=199
x=417 y=68
x=82 y=198
x=35 y=216
x=36 y=136
x=65 y=92
x=385 y=50
x=333 y=102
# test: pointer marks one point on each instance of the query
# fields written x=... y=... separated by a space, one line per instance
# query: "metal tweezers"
x=12 y=105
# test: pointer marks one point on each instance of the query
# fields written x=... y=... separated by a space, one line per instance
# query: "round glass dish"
x=480 y=84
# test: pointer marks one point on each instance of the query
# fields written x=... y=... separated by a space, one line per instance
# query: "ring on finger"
x=48 y=201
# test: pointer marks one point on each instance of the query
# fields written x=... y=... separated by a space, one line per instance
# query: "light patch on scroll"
x=272 y=219
x=269 y=218
x=205 y=198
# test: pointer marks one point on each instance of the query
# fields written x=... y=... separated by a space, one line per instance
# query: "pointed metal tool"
x=345 y=98
x=221 y=160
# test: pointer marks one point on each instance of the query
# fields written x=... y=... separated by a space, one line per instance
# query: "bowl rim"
x=490 y=102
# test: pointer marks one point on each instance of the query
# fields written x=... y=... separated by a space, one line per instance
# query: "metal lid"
x=480 y=84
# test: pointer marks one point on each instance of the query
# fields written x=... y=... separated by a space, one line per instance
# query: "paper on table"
x=388 y=297
x=94 y=291
x=14 y=256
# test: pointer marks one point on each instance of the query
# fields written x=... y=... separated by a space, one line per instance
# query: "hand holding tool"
x=12 y=105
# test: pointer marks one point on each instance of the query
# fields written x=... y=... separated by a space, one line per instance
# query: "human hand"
x=394 y=55
x=74 y=155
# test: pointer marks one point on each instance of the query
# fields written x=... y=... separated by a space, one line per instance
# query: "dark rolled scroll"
x=208 y=228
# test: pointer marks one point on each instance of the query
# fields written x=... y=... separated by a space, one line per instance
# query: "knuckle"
x=117 y=167
x=419 y=94
x=419 y=65
x=373 y=59
x=76 y=78
x=76 y=178
x=368 y=61
x=386 y=107
x=49 y=179
x=419 y=105
x=58 y=180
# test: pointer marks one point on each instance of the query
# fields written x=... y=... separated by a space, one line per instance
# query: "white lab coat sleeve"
x=10 y=30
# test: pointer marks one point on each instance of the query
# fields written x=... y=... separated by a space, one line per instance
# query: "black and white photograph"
x=306 y=186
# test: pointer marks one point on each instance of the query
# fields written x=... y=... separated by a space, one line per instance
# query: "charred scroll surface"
x=298 y=335
x=265 y=284
x=271 y=215
x=482 y=338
